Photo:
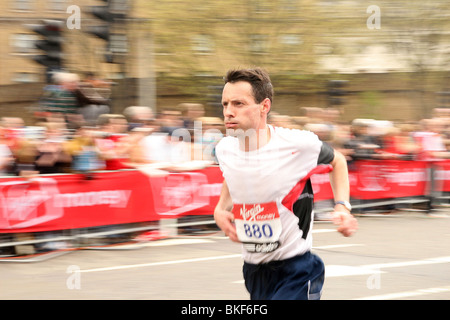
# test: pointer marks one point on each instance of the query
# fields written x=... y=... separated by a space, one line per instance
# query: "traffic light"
x=336 y=92
x=113 y=15
x=102 y=13
x=50 y=44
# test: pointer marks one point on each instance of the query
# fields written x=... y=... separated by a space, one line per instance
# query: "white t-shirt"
x=429 y=142
x=264 y=185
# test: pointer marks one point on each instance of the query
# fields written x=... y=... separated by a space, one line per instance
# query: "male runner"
x=266 y=201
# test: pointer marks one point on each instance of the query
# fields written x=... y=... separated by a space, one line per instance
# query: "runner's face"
x=240 y=109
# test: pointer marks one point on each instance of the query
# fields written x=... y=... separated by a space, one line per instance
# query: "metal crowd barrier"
x=82 y=239
x=357 y=204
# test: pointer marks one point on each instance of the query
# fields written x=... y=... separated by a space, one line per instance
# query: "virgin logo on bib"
x=258 y=226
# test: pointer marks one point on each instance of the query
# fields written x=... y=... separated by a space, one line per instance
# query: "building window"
x=262 y=6
x=290 y=39
x=25 y=77
x=118 y=43
x=258 y=43
x=57 y=5
x=23 y=43
x=289 y=6
x=290 y=43
x=22 y=4
x=202 y=44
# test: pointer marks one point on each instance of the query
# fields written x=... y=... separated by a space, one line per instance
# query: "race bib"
x=258 y=226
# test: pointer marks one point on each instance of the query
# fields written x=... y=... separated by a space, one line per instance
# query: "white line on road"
x=340 y=270
x=152 y=264
x=333 y=271
x=406 y=294
x=334 y=246
x=409 y=263
x=323 y=230
x=175 y=242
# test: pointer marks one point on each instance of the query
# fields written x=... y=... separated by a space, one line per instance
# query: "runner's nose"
x=228 y=112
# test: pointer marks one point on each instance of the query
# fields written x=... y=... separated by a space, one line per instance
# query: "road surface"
x=402 y=256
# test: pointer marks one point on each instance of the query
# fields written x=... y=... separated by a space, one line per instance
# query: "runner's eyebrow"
x=233 y=101
x=238 y=101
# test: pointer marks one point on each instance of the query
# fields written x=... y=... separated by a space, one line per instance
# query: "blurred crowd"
x=427 y=139
x=74 y=132
x=116 y=141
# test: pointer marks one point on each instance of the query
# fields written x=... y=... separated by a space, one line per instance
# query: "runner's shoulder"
x=225 y=143
x=297 y=135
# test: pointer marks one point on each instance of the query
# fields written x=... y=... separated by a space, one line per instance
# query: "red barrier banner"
x=184 y=193
x=58 y=202
x=376 y=179
x=441 y=175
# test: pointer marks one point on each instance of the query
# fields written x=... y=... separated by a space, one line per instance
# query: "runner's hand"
x=347 y=224
x=225 y=221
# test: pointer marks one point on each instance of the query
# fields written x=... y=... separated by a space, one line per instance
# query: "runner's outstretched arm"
x=347 y=224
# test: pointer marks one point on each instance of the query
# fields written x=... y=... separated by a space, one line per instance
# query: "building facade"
x=298 y=41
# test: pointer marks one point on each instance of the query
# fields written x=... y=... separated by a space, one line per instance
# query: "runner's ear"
x=265 y=105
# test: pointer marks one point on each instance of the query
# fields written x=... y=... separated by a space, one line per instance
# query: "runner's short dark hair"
x=257 y=77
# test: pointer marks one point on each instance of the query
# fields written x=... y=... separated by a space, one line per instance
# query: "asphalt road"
x=403 y=256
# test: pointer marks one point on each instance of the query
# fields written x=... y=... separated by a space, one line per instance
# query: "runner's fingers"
x=231 y=233
x=348 y=226
x=337 y=218
x=233 y=237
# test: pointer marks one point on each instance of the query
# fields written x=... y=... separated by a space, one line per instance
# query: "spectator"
x=112 y=142
x=82 y=148
x=93 y=99
x=322 y=130
x=170 y=120
x=51 y=156
x=26 y=153
x=136 y=151
x=360 y=143
x=137 y=116
x=61 y=98
x=164 y=148
x=6 y=156
x=443 y=116
x=212 y=128
x=190 y=112
x=281 y=120
x=300 y=122
x=12 y=131
x=430 y=140
x=399 y=144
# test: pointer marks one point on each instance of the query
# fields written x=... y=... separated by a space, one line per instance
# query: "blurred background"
x=390 y=58
x=87 y=85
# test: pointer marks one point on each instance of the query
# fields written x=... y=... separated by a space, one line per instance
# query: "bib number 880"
x=256 y=231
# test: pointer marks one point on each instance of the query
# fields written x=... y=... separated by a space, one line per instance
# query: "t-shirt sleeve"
x=326 y=155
